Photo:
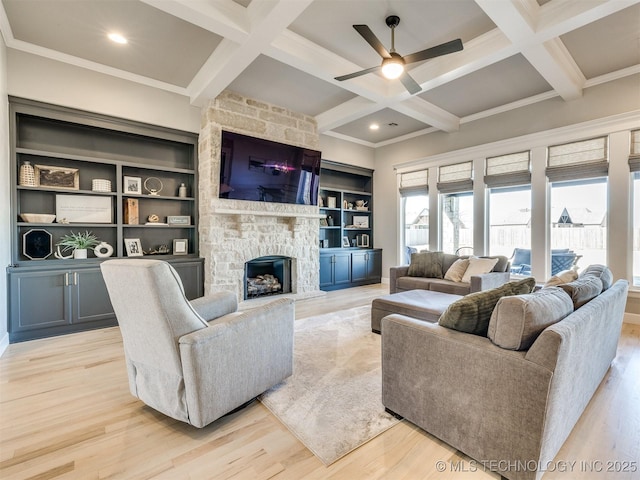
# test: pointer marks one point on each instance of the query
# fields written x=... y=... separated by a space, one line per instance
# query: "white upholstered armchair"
x=195 y=361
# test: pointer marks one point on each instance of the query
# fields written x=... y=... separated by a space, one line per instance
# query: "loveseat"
x=429 y=271
x=510 y=399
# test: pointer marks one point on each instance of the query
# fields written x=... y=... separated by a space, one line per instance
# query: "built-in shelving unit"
x=347 y=256
x=69 y=149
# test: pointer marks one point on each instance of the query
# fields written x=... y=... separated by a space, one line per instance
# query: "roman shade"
x=414 y=183
x=508 y=170
x=455 y=178
x=576 y=160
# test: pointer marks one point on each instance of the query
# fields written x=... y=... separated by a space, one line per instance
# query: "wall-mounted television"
x=266 y=171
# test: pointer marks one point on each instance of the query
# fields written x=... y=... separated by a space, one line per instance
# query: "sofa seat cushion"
x=603 y=272
x=448 y=286
x=426 y=264
x=421 y=304
x=412 y=283
x=582 y=290
x=472 y=313
x=517 y=320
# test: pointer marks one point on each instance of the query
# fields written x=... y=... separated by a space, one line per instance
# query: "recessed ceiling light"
x=116 y=37
x=374 y=126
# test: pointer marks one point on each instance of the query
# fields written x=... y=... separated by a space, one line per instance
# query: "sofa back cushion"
x=448 y=259
x=517 y=321
x=472 y=313
x=582 y=290
x=602 y=272
x=426 y=264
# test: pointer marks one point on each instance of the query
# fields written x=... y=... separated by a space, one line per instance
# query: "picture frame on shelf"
x=180 y=246
x=363 y=240
x=178 y=220
x=133 y=247
x=37 y=244
x=57 y=177
x=83 y=209
x=360 y=221
x=331 y=202
x=323 y=222
x=132 y=185
x=345 y=242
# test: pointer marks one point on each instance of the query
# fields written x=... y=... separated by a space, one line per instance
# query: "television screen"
x=266 y=171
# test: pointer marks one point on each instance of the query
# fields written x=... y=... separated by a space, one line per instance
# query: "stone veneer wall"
x=234 y=231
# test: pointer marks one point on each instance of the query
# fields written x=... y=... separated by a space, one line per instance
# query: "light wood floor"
x=66 y=413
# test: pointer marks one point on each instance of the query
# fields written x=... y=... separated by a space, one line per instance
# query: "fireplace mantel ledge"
x=231 y=211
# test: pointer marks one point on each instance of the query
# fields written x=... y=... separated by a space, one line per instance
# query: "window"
x=578 y=209
x=455 y=183
x=414 y=191
x=508 y=178
x=634 y=166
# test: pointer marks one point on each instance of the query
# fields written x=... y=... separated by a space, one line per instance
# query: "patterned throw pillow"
x=565 y=276
x=456 y=271
x=426 y=264
x=472 y=313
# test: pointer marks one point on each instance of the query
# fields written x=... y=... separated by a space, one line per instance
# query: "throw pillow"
x=471 y=314
x=602 y=272
x=426 y=264
x=456 y=271
x=517 y=320
x=565 y=276
x=478 y=266
x=583 y=289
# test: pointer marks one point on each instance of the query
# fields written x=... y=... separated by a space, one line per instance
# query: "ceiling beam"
x=267 y=19
x=517 y=19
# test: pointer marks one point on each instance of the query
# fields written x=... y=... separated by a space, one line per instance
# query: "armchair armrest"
x=394 y=274
x=215 y=305
x=489 y=280
x=236 y=358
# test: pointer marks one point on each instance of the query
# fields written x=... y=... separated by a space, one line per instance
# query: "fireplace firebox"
x=270 y=275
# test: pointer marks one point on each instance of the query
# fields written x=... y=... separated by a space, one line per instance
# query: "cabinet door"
x=342 y=268
x=374 y=265
x=191 y=277
x=326 y=270
x=359 y=268
x=89 y=297
x=39 y=300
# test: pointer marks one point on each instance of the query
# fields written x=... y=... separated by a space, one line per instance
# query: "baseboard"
x=4 y=343
x=632 y=318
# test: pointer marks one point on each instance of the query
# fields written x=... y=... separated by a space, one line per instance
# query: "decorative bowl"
x=37 y=217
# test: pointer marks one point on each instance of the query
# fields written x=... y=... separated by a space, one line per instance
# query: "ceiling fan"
x=393 y=63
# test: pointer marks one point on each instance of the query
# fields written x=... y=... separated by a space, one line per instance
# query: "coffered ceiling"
x=287 y=52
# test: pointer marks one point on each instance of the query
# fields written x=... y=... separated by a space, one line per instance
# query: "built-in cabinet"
x=347 y=256
x=119 y=180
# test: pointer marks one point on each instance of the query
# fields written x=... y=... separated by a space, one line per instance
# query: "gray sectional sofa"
x=401 y=278
x=510 y=399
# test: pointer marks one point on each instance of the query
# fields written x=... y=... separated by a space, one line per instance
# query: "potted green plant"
x=79 y=242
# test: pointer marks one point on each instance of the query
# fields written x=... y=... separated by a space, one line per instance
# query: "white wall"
x=5 y=188
x=38 y=78
x=597 y=102
x=342 y=151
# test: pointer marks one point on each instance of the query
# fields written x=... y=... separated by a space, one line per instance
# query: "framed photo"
x=345 y=242
x=331 y=202
x=361 y=222
x=363 y=240
x=83 y=209
x=178 y=220
x=57 y=177
x=133 y=247
x=180 y=246
x=132 y=185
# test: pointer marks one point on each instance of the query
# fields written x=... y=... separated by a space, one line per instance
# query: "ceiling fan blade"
x=372 y=40
x=409 y=83
x=358 y=74
x=442 y=49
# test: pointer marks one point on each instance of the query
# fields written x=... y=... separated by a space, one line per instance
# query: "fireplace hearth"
x=269 y=275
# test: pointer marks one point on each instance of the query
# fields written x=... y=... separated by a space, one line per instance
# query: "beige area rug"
x=332 y=402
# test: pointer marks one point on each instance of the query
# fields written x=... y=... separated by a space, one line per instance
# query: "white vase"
x=80 y=253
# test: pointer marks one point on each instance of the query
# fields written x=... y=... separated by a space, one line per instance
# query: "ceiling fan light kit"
x=393 y=64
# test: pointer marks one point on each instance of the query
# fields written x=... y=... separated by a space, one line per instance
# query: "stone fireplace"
x=234 y=232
